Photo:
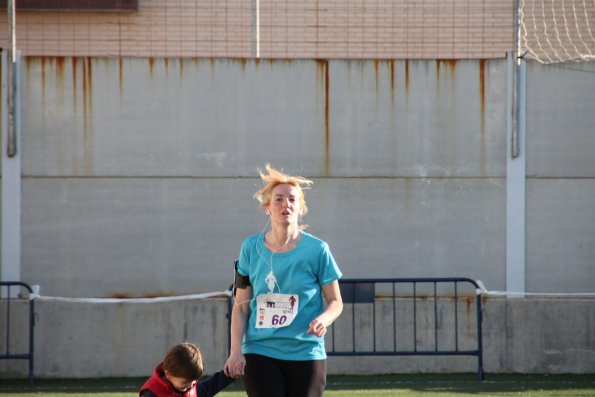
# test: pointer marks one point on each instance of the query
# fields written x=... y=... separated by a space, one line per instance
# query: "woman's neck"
x=282 y=239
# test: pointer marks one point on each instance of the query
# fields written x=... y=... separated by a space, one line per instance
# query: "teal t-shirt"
x=301 y=271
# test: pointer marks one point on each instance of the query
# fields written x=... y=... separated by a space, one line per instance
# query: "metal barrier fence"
x=11 y=314
x=433 y=317
x=409 y=317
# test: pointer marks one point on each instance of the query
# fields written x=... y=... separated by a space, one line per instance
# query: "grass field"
x=439 y=385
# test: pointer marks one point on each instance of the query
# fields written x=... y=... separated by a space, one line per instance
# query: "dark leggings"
x=270 y=377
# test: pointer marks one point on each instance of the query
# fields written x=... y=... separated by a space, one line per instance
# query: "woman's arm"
x=234 y=366
x=334 y=307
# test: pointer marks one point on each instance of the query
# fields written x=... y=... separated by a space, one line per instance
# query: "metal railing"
x=409 y=317
x=11 y=311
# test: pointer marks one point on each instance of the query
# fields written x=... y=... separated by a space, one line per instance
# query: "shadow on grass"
x=464 y=383
x=80 y=386
x=451 y=383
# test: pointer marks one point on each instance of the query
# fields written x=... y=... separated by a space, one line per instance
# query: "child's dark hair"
x=184 y=361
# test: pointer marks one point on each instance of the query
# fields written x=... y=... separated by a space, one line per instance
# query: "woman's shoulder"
x=308 y=238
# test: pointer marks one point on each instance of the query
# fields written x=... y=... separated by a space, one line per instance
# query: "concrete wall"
x=83 y=339
x=560 y=177
x=138 y=174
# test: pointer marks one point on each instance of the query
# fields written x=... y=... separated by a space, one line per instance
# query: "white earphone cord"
x=271 y=276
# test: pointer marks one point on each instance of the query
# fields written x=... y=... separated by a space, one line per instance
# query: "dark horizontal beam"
x=73 y=5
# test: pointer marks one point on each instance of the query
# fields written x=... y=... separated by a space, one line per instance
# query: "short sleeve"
x=329 y=270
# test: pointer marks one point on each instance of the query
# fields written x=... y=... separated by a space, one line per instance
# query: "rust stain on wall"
x=469 y=303
x=323 y=73
x=482 y=86
x=43 y=88
x=451 y=64
x=74 y=85
x=59 y=80
x=59 y=70
x=90 y=81
x=196 y=62
x=391 y=65
x=244 y=63
x=87 y=87
x=121 y=75
x=151 y=66
x=484 y=300
x=482 y=93
x=376 y=65
x=407 y=79
x=87 y=77
x=84 y=104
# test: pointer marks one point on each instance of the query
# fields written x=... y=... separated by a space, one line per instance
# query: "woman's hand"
x=234 y=366
x=334 y=307
x=317 y=327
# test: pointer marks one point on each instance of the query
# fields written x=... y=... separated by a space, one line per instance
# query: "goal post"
x=555 y=31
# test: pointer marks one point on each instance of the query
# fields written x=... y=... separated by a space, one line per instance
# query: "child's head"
x=183 y=366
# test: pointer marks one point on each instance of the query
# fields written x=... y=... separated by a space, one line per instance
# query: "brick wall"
x=357 y=29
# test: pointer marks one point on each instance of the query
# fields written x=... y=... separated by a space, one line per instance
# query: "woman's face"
x=284 y=206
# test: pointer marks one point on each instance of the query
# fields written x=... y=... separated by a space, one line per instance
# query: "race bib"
x=276 y=310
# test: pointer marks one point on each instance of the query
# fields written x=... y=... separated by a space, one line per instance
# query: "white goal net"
x=553 y=31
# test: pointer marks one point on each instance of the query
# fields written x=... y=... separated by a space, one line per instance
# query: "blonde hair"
x=274 y=178
x=184 y=361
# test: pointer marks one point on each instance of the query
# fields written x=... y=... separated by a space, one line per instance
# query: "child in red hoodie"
x=179 y=373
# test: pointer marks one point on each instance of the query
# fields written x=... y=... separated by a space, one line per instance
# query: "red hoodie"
x=162 y=388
